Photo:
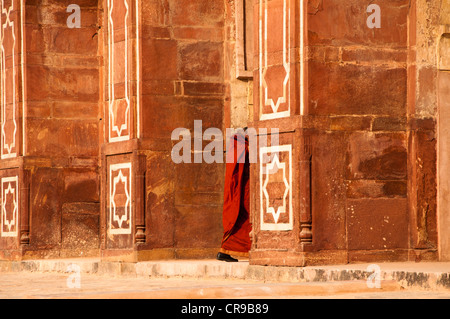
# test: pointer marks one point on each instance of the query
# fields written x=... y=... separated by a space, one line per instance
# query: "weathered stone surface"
x=444 y=48
x=444 y=187
x=88 y=115
x=328 y=191
x=165 y=51
x=80 y=227
x=366 y=90
x=377 y=224
x=333 y=23
x=378 y=156
x=201 y=61
x=362 y=188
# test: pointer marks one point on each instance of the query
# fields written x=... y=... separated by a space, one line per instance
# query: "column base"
x=336 y=257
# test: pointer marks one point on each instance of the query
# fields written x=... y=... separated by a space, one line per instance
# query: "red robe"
x=236 y=223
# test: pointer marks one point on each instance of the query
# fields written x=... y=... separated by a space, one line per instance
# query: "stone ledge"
x=423 y=276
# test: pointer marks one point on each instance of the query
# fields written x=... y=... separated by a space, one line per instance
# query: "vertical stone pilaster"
x=444 y=139
x=283 y=218
x=49 y=130
x=140 y=162
x=14 y=211
x=123 y=223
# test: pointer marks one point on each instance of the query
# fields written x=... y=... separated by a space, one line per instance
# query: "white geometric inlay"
x=125 y=179
x=264 y=65
x=264 y=33
x=267 y=170
x=272 y=168
x=7 y=192
x=8 y=25
x=113 y=127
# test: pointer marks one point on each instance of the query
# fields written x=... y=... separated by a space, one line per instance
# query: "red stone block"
x=427 y=79
x=55 y=14
x=80 y=228
x=377 y=224
x=155 y=32
x=35 y=39
x=60 y=138
x=350 y=123
x=203 y=88
x=169 y=112
x=328 y=191
x=156 y=12
x=379 y=156
x=70 y=110
x=389 y=124
x=201 y=61
x=205 y=229
x=160 y=211
x=196 y=12
x=38 y=109
x=71 y=41
x=196 y=33
x=353 y=89
x=81 y=3
x=323 y=53
x=387 y=56
x=165 y=52
x=375 y=189
x=81 y=185
x=161 y=87
x=199 y=178
x=423 y=192
x=338 y=24
x=45 y=200
x=62 y=84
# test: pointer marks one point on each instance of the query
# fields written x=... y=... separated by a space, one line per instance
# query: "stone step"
x=426 y=276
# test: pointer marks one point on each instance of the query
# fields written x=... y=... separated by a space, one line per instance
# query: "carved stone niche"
x=244 y=39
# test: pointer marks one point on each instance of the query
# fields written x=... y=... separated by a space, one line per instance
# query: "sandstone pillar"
x=163 y=70
x=49 y=149
x=335 y=188
x=443 y=62
x=444 y=134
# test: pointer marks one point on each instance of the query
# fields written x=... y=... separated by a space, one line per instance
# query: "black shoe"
x=225 y=257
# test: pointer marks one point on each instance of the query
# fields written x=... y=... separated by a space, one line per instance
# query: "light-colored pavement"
x=32 y=285
x=211 y=279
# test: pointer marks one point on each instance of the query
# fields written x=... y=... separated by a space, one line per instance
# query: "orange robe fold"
x=236 y=223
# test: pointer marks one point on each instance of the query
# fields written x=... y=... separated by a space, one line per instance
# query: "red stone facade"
x=359 y=171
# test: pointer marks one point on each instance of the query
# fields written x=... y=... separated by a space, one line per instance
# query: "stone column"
x=282 y=215
x=334 y=190
x=49 y=136
x=14 y=211
x=122 y=171
x=164 y=66
x=443 y=89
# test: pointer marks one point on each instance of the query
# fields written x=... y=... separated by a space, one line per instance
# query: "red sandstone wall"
x=357 y=77
x=57 y=129
x=180 y=77
x=363 y=146
x=62 y=127
x=373 y=169
x=186 y=84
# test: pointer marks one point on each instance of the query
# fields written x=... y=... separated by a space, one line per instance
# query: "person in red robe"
x=236 y=238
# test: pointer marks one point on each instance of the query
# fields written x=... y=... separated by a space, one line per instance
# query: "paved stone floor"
x=37 y=285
